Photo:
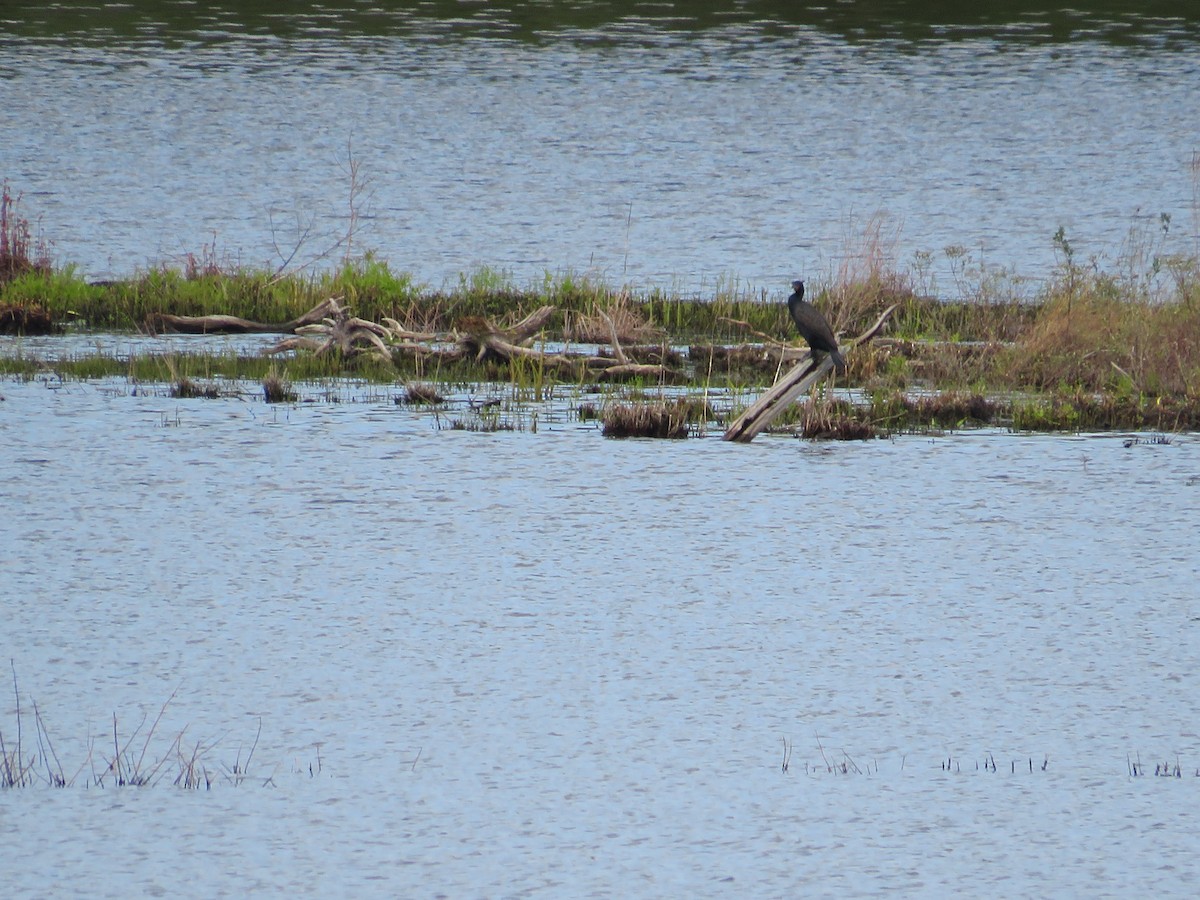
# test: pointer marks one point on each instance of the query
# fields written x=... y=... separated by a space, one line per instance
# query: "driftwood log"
x=165 y=323
x=791 y=385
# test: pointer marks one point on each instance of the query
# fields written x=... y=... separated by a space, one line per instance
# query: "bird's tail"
x=839 y=362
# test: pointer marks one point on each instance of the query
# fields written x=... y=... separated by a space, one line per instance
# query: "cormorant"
x=813 y=327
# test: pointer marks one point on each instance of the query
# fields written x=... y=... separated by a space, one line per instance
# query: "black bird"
x=813 y=327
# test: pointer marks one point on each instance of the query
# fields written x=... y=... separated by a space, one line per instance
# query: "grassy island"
x=1091 y=348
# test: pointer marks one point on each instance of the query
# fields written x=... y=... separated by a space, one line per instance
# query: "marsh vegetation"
x=1103 y=344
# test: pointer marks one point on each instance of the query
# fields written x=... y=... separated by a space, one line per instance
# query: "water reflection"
x=898 y=21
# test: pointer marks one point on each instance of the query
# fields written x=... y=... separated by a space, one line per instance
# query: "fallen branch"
x=160 y=323
x=616 y=342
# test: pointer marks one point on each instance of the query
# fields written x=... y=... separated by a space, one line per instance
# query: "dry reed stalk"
x=19 y=252
x=866 y=278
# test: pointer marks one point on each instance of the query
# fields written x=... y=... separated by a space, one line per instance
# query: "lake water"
x=546 y=663
x=553 y=664
x=650 y=144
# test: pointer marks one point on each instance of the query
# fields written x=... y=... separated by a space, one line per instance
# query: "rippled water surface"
x=647 y=143
x=517 y=664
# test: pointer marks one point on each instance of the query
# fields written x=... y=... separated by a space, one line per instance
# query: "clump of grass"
x=833 y=420
x=620 y=316
x=1128 y=328
x=371 y=287
x=990 y=320
x=276 y=389
x=207 y=263
x=1080 y=410
x=1090 y=335
x=656 y=419
x=867 y=279
x=21 y=257
x=185 y=388
x=933 y=364
x=128 y=762
x=483 y=425
x=951 y=409
x=421 y=395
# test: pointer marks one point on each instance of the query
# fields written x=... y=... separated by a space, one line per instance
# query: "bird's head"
x=798 y=287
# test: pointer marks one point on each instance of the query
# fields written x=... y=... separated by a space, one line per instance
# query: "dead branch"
x=342 y=332
x=481 y=339
x=398 y=332
x=616 y=342
x=529 y=326
x=160 y=323
x=293 y=343
x=874 y=330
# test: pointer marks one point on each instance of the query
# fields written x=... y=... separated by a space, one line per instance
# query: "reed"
x=143 y=757
x=185 y=389
x=866 y=279
x=20 y=252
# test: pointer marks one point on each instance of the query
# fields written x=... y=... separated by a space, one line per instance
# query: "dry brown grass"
x=1098 y=340
x=655 y=419
x=866 y=280
x=17 y=319
x=421 y=394
x=184 y=389
x=19 y=252
x=276 y=389
x=627 y=319
x=826 y=419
